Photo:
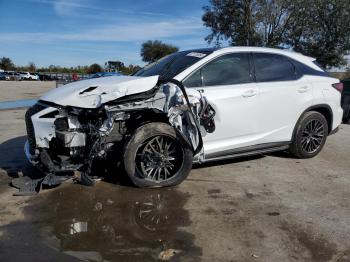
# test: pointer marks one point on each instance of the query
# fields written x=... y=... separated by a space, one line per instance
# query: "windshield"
x=169 y=66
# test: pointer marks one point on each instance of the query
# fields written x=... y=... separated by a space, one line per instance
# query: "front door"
x=227 y=83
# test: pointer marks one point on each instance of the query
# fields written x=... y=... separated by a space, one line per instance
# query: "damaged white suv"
x=198 y=105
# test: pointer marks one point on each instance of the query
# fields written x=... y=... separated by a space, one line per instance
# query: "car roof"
x=216 y=52
x=286 y=52
x=206 y=50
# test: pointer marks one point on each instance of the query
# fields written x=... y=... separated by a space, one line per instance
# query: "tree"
x=94 y=68
x=232 y=20
x=319 y=28
x=114 y=65
x=151 y=51
x=31 y=67
x=324 y=33
x=128 y=70
x=6 y=64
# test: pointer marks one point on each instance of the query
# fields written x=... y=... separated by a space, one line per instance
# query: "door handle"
x=250 y=93
x=303 y=89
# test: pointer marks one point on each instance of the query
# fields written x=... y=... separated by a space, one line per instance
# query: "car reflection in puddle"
x=118 y=223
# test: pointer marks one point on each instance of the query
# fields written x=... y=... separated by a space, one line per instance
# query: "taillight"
x=338 y=86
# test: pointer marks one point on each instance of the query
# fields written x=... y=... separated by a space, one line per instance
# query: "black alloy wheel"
x=159 y=158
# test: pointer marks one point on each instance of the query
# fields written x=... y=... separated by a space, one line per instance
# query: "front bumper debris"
x=65 y=139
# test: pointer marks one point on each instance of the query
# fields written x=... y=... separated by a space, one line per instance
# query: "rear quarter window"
x=303 y=69
x=273 y=67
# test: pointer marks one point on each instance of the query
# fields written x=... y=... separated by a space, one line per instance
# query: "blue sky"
x=82 y=32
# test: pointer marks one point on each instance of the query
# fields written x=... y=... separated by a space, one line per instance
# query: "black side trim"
x=248 y=150
x=334 y=131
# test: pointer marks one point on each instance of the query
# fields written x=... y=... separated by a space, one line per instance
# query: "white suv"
x=28 y=76
x=198 y=105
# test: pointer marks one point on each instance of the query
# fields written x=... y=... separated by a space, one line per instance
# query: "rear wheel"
x=310 y=135
x=157 y=156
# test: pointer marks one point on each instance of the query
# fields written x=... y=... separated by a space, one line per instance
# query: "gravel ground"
x=14 y=90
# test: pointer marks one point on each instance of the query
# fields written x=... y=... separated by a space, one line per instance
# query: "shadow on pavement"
x=110 y=222
x=13 y=162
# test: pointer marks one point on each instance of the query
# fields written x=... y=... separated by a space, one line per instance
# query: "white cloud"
x=121 y=32
x=64 y=7
x=79 y=7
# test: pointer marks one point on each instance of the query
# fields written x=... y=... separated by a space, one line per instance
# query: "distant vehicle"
x=13 y=75
x=4 y=76
x=45 y=77
x=105 y=74
x=28 y=76
x=35 y=76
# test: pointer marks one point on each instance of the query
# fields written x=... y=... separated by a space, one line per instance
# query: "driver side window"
x=228 y=69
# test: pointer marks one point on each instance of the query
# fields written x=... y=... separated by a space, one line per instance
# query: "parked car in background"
x=4 y=76
x=35 y=76
x=198 y=105
x=29 y=76
x=14 y=75
x=105 y=74
x=47 y=77
x=345 y=101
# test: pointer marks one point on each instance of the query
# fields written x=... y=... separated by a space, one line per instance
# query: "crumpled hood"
x=93 y=93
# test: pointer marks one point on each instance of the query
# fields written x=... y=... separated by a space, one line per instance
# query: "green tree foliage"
x=94 y=68
x=325 y=32
x=151 y=51
x=232 y=20
x=6 y=64
x=128 y=70
x=318 y=28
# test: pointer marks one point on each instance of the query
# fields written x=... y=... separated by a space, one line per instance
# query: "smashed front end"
x=63 y=137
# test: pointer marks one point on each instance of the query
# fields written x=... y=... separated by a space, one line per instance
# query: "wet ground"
x=17 y=103
x=266 y=208
x=106 y=221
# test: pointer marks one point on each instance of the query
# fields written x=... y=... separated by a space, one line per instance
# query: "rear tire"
x=310 y=135
x=157 y=156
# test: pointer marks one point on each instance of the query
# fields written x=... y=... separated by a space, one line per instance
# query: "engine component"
x=71 y=138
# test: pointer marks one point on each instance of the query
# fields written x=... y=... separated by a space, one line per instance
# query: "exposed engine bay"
x=65 y=138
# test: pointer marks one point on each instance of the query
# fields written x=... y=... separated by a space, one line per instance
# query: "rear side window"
x=306 y=70
x=272 y=67
x=225 y=70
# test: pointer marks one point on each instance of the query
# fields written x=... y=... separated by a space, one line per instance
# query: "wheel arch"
x=139 y=118
x=142 y=117
x=324 y=110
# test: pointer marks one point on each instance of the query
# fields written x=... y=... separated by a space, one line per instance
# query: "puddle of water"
x=17 y=103
x=114 y=223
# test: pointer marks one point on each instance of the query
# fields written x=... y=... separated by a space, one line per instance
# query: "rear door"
x=227 y=83
x=284 y=95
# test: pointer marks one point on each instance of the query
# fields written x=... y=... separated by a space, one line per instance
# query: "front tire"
x=310 y=135
x=157 y=156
